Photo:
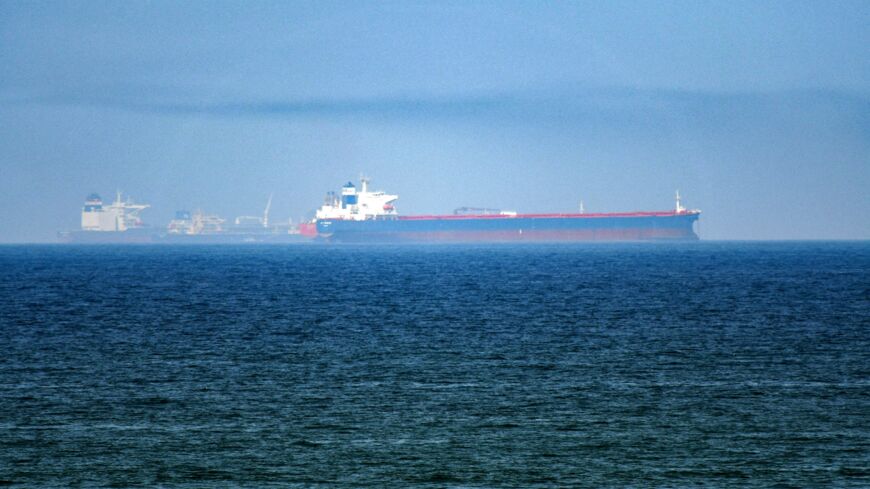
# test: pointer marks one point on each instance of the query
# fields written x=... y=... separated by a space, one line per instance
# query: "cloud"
x=578 y=106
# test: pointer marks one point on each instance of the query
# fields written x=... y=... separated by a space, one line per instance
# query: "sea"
x=707 y=364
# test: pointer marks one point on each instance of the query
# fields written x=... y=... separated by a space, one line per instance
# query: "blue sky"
x=759 y=112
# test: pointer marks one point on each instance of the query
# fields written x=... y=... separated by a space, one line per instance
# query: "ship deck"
x=439 y=217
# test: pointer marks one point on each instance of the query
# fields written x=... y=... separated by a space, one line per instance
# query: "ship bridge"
x=357 y=205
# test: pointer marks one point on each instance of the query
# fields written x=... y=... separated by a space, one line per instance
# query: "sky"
x=758 y=112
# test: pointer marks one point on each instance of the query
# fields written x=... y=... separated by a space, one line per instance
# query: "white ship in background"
x=119 y=222
x=118 y=216
x=189 y=224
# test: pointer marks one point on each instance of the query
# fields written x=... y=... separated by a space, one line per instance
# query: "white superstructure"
x=357 y=205
x=197 y=223
x=117 y=216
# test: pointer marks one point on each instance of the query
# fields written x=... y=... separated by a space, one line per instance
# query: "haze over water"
x=758 y=112
x=664 y=365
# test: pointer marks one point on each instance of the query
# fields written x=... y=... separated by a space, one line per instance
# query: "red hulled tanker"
x=365 y=216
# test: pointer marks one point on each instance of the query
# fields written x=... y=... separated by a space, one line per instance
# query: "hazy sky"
x=759 y=112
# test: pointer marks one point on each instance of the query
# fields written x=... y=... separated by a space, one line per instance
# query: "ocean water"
x=629 y=365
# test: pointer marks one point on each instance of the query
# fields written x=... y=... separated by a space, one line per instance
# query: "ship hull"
x=133 y=236
x=232 y=238
x=643 y=226
x=145 y=236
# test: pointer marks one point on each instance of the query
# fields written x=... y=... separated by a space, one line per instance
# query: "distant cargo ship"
x=366 y=216
x=119 y=222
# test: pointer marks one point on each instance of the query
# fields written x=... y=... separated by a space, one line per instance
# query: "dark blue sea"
x=625 y=365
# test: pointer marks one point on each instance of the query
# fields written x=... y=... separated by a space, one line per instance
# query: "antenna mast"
x=679 y=209
x=266 y=212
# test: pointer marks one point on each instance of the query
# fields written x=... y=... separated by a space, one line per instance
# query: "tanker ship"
x=366 y=216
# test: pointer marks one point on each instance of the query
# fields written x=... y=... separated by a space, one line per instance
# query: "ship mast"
x=266 y=212
x=679 y=208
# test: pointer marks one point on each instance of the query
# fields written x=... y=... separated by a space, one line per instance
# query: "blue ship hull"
x=638 y=226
